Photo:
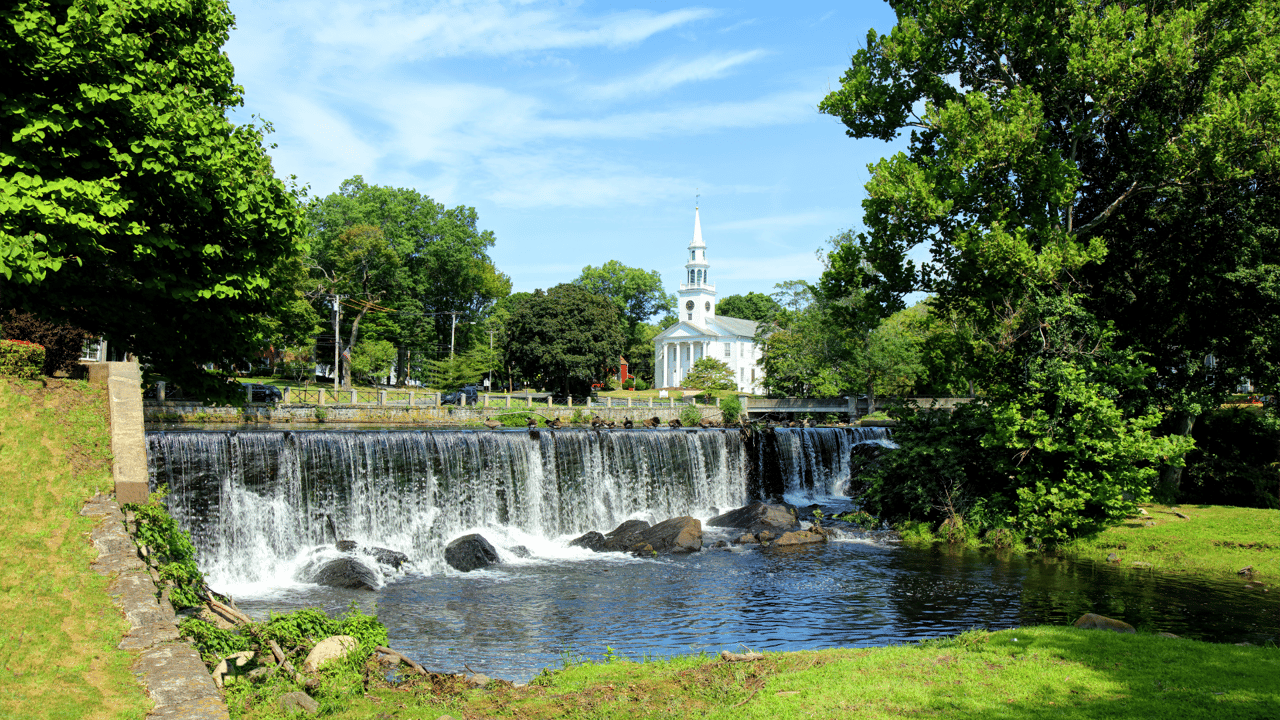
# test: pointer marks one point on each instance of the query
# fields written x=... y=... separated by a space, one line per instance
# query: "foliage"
x=730 y=410
x=637 y=293
x=710 y=373
x=454 y=372
x=299 y=362
x=212 y=642
x=63 y=343
x=21 y=359
x=690 y=415
x=372 y=359
x=565 y=337
x=752 y=306
x=172 y=547
x=1234 y=462
x=132 y=206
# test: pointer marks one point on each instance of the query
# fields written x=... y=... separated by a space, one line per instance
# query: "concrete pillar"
x=285 y=394
x=353 y=397
x=382 y=397
x=628 y=401
x=320 y=392
x=569 y=400
x=248 y=393
x=411 y=398
x=160 y=390
x=128 y=438
x=608 y=401
x=435 y=399
x=548 y=401
x=650 y=402
x=486 y=399
x=508 y=401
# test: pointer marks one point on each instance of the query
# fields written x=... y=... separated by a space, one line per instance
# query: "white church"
x=701 y=333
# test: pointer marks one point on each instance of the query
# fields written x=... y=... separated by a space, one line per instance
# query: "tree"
x=752 y=306
x=708 y=373
x=637 y=293
x=130 y=205
x=372 y=359
x=362 y=269
x=566 y=337
x=1043 y=138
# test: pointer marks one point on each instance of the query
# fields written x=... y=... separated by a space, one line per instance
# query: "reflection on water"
x=511 y=623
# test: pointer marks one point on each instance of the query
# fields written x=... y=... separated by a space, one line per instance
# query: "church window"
x=742 y=373
x=728 y=349
x=707 y=306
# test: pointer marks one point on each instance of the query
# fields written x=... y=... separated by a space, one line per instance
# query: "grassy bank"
x=58 y=628
x=1210 y=539
x=1042 y=672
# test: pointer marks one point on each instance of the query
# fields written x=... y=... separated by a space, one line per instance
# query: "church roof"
x=736 y=326
x=697 y=232
x=718 y=326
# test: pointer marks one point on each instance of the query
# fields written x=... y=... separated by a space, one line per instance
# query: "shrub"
x=731 y=410
x=21 y=359
x=1232 y=462
x=173 y=550
x=641 y=384
x=690 y=415
x=62 y=343
x=630 y=384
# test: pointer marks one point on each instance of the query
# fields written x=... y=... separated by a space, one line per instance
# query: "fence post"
x=321 y=392
x=650 y=401
x=284 y=394
x=248 y=392
x=548 y=401
x=160 y=390
x=717 y=402
x=411 y=398
x=508 y=401
x=382 y=397
x=608 y=401
x=569 y=399
x=486 y=399
x=628 y=401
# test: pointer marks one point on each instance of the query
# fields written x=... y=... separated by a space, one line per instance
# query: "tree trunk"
x=1170 y=476
x=871 y=396
x=402 y=366
x=351 y=344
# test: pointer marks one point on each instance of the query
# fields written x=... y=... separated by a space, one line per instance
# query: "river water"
x=259 y=503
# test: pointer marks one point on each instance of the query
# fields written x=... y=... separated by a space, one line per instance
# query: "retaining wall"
x=177 y=411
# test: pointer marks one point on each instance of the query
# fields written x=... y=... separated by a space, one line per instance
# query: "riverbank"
x=59 y=628
x=1022 y=673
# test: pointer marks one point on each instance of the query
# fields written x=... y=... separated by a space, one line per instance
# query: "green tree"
x=709 y=373
x=637 y=293
x=566 y=337
x=1044 y=137
x=362 y=269
x=130 y=205
x=752 y=306
x=372 y=360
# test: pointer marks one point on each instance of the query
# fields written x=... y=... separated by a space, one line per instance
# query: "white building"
x=702 y=333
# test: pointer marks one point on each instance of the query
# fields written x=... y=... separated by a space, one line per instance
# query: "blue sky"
x=580 y=131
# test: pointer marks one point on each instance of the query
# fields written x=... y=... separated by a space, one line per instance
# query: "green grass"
x=1215 y=539
x=1040 y=672
x=58 y=627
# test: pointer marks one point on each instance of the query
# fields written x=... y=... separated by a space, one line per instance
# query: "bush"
x=641 y=384
x=1232 y=462
x=690 y=416
x=730 y=410
x=21 y=359
x=173 y=550
x=630 y=384
x=62 y=343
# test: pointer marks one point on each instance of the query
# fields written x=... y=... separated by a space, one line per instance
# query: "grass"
x=1215 y=539
x=1040 y=672
x=59 y=629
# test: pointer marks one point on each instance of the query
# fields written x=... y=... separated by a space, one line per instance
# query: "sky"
x=581 y=132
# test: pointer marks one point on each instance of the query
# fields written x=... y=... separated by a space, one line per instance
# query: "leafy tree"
x=637 y=293
x=752 y=306
x=362 y=269
x=455 y=371
x=709 y=373
x=130 y=205
x=566 y=337
x=1042 y=138
x=372 y=359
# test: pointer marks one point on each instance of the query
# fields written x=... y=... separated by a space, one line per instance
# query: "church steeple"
x=697 y=293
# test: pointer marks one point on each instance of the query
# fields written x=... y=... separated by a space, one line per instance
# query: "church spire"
x=697 y=231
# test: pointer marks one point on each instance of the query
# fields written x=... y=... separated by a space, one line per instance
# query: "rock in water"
x=756 y=517
x=593 y=541
x=625 y=535
x=387 y=557
x=677 y=535
x=799 y=537
x=470 y=552
x=1090 y=621
x=327 y=650
x=343 y=572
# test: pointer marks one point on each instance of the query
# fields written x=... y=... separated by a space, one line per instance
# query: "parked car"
x=471 y=392
x=265 y=393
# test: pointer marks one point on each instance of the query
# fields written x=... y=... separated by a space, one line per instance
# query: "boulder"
x=756 y=517
x=677 y=535
x=298 y=701
x=592 y=541
x=346 y=545
x=390 y=558
x=1090 y=621
x=342 y=572
x=625 y=535
x=470 y=552
x=521 y=551
x=799 y=537
x=327 y=650
x=230 y=667
x=747 y=539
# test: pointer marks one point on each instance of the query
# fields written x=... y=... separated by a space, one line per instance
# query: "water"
x=259 y=502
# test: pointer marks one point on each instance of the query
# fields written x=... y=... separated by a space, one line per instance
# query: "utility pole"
x=452 y=332
x=489 y=383
x=337 y=319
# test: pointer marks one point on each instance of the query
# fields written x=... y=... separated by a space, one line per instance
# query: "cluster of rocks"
x=677 y=536
x=768 y=525
x=359 y=566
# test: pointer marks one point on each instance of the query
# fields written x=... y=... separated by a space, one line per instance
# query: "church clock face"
x=688 y=305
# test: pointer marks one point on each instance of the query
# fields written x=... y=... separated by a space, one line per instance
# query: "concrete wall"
x=128 y=441
x=176 y=411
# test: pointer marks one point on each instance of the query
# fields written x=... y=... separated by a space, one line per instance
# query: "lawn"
x=1210 y=539
x=59 y=629
x=1040 y=672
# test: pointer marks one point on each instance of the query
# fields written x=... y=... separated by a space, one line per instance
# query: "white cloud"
x=531 y=181
x=669 y=74
x=459 y=28
x=793 y=266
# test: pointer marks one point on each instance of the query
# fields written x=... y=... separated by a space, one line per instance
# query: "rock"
x=1113 y=558
x=1142 y=511
x=327 y=650
x=1149 y=523
x=226 y=669
x=1090 y=621
x=1168 y=635
x=746 y=539
x=593 y=541
x=721 y=544
x=799 y=537
x=470 y=552
x=756 y=517
x=643 y=550
x=1245 y=571
x=764 y=536
x=625 y=535
x=521 y=551
x=677 y=535
x=1141 y=564
x=346 y=545
x=479 y=680
x=387 y=557
x=343 y=572
x=298 y=702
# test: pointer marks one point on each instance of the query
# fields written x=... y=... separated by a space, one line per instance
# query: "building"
x=699 y=332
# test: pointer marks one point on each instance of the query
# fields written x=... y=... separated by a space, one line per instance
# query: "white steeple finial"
x=697 y=231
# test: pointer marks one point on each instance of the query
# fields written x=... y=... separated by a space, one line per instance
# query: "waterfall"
x=252 y=501
x=814 y=463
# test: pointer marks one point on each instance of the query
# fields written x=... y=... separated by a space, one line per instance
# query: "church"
x=699 y=332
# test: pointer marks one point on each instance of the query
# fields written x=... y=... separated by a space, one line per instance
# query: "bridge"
x=854 y=407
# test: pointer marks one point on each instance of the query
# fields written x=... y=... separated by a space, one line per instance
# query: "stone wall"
x=188 y=412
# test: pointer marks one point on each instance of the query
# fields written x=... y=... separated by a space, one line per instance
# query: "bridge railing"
x=853 y=406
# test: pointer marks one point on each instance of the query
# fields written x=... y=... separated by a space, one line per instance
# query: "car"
x=265 y=393
x=472 y=393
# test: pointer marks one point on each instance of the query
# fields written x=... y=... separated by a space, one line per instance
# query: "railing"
x=853 y=406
